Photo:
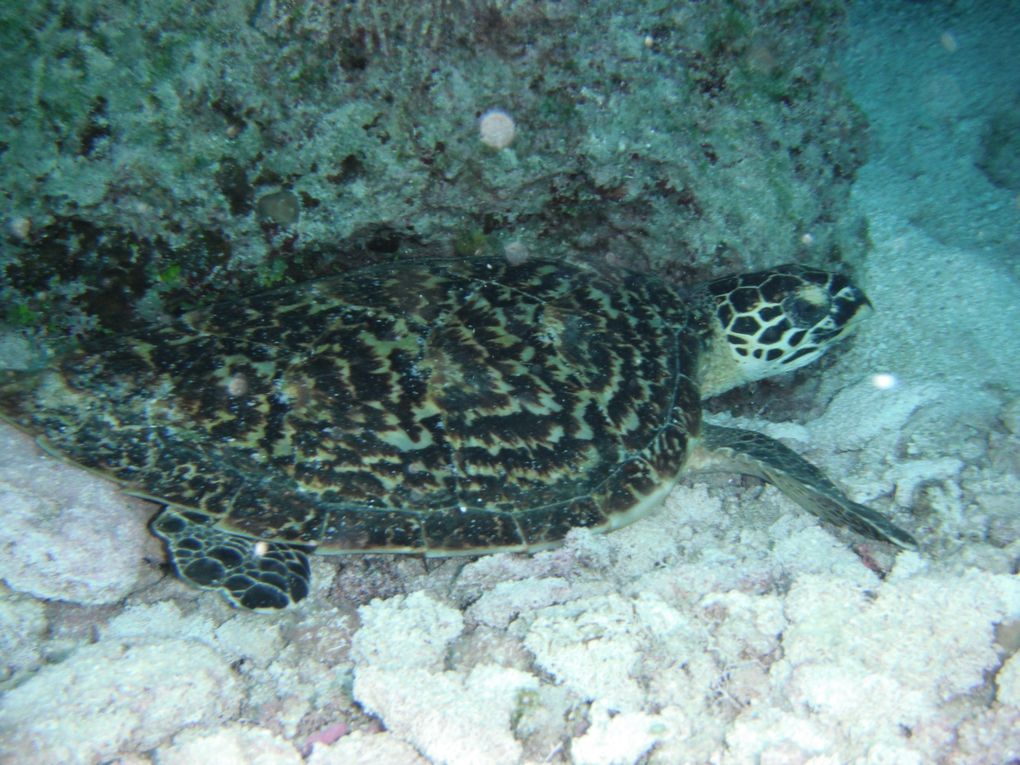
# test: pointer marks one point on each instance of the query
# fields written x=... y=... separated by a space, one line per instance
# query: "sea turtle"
x=438 y=407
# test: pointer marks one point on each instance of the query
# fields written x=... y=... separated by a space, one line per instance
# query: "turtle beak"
x=861 y=298
x=850 y=307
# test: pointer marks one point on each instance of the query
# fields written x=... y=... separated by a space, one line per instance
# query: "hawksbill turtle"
x=437 y=407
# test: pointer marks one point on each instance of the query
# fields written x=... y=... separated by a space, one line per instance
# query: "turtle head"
x=774 y=321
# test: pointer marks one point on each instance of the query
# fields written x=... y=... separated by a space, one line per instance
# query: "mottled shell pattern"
x=437 y=406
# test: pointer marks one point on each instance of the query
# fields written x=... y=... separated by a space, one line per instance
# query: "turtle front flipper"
x=250 y=573
x=758 y=455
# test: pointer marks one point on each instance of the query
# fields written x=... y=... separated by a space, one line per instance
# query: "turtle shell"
x=438 y=406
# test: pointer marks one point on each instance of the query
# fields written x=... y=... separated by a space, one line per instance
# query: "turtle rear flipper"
x=758 y=455
x=250 y=573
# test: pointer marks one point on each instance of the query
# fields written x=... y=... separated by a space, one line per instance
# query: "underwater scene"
x=510 y=381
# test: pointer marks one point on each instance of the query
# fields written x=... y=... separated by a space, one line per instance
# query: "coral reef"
x=148 y=162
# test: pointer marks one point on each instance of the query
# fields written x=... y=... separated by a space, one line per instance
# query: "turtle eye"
x=807 y=306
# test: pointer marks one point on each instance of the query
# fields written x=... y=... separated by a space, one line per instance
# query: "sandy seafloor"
x=728 y=627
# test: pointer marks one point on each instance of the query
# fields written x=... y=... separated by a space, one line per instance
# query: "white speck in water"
x=884 y=380
x=516 y=252
x=497 y=129
x=237 y=385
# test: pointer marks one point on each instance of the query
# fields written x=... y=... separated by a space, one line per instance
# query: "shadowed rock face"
x=698 y=140
x=1000 y=148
